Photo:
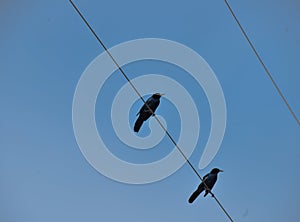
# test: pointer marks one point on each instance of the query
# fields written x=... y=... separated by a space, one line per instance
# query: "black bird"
x=210 y=180
x=145 y=112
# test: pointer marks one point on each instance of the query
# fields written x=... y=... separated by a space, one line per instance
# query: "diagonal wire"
x=160 y=123
x=263 y=64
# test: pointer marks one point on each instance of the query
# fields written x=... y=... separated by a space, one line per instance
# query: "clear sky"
x=44 y=49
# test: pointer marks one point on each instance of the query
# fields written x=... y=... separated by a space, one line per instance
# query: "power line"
x=263 y=64
x=160 y=123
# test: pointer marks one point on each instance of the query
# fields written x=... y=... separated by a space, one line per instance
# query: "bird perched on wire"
x=145 y=112
x=210 y=180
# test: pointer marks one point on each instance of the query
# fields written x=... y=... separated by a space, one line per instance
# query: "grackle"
x=145 y=112
x=210 y=180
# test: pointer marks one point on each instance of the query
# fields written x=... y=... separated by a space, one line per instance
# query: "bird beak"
x=221 y=170
x=161 y=94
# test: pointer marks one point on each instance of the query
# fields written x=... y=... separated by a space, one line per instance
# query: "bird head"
x=157 y=95
x=216 y=171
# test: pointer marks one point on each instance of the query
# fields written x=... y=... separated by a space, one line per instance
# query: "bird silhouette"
x=145 y=112
x=210 y=180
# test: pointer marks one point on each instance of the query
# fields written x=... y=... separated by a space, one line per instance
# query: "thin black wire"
x=160 y=123
x=263 y=64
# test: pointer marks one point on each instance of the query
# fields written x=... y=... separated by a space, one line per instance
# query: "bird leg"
x=209 y=191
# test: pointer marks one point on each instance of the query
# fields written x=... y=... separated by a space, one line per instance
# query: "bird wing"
x=204 y=181
x=205 y=177
x=148 y=104
x=201 y=185
x=145 y=107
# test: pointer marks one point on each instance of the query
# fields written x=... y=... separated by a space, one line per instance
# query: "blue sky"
x=44 y=49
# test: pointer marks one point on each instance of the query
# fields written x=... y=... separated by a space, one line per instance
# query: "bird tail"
x=195 y=195
x=138 y=124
